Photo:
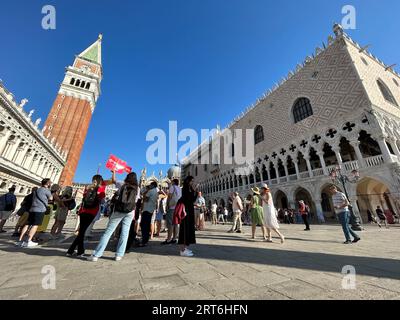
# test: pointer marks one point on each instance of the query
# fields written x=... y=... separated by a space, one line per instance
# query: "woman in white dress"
x=270 y=214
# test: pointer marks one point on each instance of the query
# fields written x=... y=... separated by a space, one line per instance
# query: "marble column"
x=356 y=146
x=286 y=170
x=338 y=155
x=4 y=136
x=320 y=212
x=309 y=167
x=277 y=172
x=384 y=149
x=296 y=166
x=395 y=147
x=322 y=160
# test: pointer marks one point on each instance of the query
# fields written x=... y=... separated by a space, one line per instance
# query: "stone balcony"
x=347 y=167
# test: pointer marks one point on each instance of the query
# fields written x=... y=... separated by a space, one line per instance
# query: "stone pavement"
x=226 y=266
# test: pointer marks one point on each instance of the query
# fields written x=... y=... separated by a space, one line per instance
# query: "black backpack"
x=71 y=204
x=126 y=199
x=91 y=199
x=9 y=205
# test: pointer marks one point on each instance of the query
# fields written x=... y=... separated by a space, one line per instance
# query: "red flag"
x=116 y=164
x=128 y=169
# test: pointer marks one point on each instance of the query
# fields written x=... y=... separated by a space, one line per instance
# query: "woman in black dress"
x=187 y=234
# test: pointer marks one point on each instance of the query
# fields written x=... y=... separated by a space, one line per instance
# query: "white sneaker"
x=187 y=253
x=92 y=258
x=31 y=244
x=118 y=258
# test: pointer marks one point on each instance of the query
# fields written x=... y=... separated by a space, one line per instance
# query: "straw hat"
x=256 y=190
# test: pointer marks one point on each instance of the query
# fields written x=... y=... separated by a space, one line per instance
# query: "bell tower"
x=70 y=116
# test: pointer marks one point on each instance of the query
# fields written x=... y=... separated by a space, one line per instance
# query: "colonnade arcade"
x=19 y=152
x=355 y=146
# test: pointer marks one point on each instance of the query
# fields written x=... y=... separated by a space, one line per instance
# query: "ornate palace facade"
x=338 y=108
x=26 y=155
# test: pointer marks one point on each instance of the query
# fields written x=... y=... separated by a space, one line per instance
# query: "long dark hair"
x=186 y=184
x=131 y=179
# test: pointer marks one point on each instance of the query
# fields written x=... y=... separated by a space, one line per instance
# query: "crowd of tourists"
x=178 y=210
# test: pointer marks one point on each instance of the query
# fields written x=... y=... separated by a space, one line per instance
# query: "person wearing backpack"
x=23 y=213
x=37 y=211
x=125 y=204
x=92 y=198
x=8 y=202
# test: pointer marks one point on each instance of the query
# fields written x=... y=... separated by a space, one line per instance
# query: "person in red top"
x=91 y=201
x=304 y=210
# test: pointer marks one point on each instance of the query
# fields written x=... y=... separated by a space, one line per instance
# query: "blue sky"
x=199 y=62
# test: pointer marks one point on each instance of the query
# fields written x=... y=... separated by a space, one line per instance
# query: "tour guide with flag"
x=92 y=198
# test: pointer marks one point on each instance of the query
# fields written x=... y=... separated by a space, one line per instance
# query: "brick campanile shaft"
x=70 y=116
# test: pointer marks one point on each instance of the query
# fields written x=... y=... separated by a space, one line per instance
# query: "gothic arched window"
x=387 y=94
x=72 y=81
x=302 y=109
x=258 y=134
x=88 y=86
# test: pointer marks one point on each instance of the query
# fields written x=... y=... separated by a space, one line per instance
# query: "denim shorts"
x=159 y=216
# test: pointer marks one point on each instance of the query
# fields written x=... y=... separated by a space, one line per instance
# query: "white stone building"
x=26 y=155
x=341 y=107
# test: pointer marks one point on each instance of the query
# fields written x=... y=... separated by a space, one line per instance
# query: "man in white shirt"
x=237 y=207
x=174 y=194
x=199 y=206
x=341 y=206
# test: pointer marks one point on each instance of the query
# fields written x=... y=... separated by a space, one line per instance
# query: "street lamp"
x=338 y=176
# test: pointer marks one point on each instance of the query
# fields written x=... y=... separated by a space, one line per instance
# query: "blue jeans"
x=115 y=220
x=344 y=218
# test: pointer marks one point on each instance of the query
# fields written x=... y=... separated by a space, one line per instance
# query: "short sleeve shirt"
x=40 y=200
x=200 y=201
x=176 y=194
x=150 y=205
x=338 y=199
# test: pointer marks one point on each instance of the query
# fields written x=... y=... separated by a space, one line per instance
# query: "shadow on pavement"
x=270 y=256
